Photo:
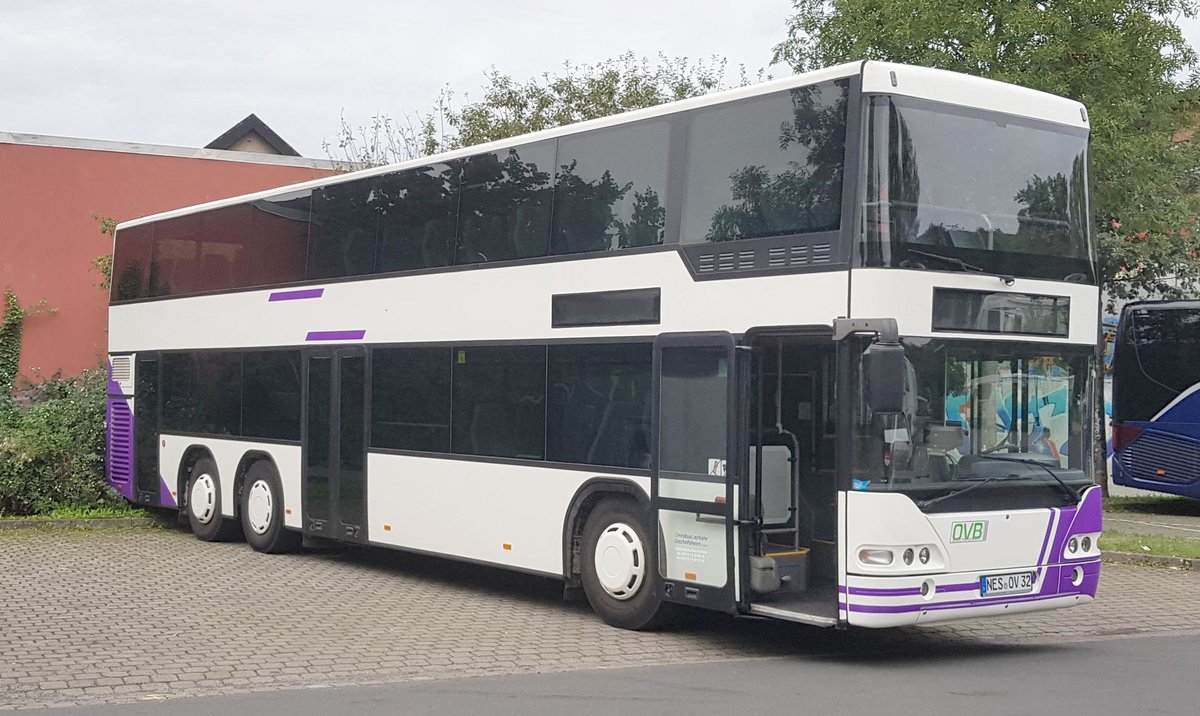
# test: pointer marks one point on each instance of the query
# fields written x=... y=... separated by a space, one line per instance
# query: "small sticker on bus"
x=858 y=484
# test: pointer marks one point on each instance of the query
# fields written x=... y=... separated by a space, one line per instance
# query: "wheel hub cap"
x=620 y=561
x=258 y=507
x=202 y=500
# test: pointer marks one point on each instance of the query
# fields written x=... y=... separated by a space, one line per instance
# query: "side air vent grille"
x=122 y=369
x=763 y=255
x=120 y=442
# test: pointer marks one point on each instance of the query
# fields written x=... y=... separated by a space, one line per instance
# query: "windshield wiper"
x=994 y=478
x=1036 y=463
x=955 y=261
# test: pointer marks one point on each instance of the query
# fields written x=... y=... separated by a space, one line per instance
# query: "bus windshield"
x=1013 y=416
x=951 y=189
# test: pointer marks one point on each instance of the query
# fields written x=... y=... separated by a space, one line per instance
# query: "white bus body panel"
x=907 y=296
x=498 y=303
x=228 y=453
x=471 y=510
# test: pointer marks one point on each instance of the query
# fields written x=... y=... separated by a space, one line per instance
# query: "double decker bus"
x=1156 y=408
x=817 y=349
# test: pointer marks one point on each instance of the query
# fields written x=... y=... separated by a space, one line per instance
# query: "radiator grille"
x=1177 y=458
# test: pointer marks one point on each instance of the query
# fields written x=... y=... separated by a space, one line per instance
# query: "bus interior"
x=792 y=474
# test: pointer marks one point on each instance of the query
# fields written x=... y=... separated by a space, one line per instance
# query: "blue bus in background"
x=1156 y=397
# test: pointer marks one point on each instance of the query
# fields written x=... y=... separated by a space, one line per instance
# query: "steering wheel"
x=1005 y=443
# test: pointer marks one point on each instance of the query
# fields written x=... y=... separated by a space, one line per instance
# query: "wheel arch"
x=250 y=458
x=582 y=503
x=192 y=455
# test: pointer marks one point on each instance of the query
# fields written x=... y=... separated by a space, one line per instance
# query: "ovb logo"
x=969 y=531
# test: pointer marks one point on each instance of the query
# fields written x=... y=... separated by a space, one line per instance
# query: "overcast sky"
x=181 y=72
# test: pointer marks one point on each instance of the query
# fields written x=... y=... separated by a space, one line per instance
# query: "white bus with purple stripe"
x=818 y=349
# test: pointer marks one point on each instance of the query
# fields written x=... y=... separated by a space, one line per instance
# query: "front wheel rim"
x=202 y=499
x=259 y=507
x=620 y=561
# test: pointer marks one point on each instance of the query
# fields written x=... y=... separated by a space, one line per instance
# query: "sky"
x=179 y=72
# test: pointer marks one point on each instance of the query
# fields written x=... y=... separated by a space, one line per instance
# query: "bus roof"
x=877 y=78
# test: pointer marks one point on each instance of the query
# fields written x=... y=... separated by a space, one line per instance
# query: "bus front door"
x=696 y=469
x=334 y=476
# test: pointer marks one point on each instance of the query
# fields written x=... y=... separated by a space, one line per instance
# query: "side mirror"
x=884 y=371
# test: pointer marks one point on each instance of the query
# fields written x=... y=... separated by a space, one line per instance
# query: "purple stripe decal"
x=165 y=498
x=296 y=295
x=907 y=591
x=336 y=335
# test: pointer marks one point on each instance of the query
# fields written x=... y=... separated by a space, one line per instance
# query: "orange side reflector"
x=720 y=500
x=691 y=576
x=174 y=493
x=387 y=528
x=287 y=510
x=1160 y=472
x=508 y=546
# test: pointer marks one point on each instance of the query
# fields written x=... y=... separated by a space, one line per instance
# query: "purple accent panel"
x=1089 y=513
x=165 y=498
x=298 y=295
x=336 y=335
x=119 y=465
x=908 y=591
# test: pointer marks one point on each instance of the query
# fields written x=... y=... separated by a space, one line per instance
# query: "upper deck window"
x=767 y=166
x=955 y=189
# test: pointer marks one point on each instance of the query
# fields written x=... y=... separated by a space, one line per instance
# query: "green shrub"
x=52 y=446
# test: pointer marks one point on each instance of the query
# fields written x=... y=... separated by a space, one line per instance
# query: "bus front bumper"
x=927 y=599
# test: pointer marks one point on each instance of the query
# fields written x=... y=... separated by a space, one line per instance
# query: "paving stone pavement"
x=128 y=615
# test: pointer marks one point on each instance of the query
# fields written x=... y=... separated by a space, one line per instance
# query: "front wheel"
x=618 y=561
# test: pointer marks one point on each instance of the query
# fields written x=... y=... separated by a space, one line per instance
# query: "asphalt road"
x=1147 y=675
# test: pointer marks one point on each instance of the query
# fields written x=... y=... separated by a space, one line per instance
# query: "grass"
x=76 y=512
x=1154 y=545
x=1154 y=505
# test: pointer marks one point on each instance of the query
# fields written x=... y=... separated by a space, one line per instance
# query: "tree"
x=511 y=107
x=1126 y=60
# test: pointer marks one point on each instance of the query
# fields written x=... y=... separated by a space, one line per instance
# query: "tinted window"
x=201 y=392
x=693 y=409
x=505 y=210
x=271 y=395
x=1155 y=360
x=131 y=262
x=174 y=267
x=599 y=405
x=767 y=166
x=500 y=402
x=278 y=252
x=419 y=216
x=611 y=189
x=343 y=229
x=410 y=398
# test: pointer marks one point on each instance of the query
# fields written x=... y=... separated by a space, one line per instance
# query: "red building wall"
x=48 y=237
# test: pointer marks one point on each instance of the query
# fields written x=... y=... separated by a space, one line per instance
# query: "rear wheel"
x=618 y=566
x=204 y=505
x=262 y=512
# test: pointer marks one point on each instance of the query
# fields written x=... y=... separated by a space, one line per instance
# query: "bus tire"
x=262 y=511
x=619 y=566
x=204 y=505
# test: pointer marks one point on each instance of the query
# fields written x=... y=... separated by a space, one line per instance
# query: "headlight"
x=923 y=555
x=908 y=555
x=1072 y=545
x=1086 y=543
x=881 y=557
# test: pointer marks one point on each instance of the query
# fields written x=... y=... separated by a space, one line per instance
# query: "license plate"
x=998 y=584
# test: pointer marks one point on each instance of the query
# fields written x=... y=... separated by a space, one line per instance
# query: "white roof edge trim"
x=849 y=69
x=971 y=91
x=167 y=150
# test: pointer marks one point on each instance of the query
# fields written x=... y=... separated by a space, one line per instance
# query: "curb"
x=1152 y=560
x=84 y=524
